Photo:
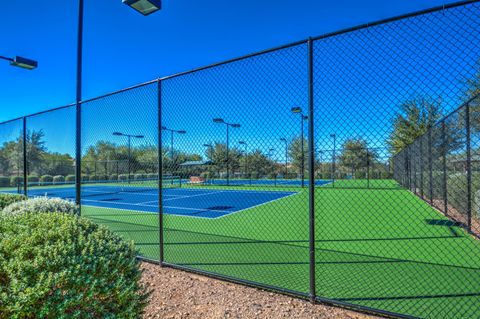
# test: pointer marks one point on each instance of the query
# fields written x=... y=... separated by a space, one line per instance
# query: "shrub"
x=59 y=179
x=4 y=181
x=62 y=266
x=122 y=177
x=33 y=179
x=70 y=178
x=93 y=178
x=85 y=178
x=8 y=199
x=46 y=179
x=113 y=177
x=16 y=180
x=42 y=205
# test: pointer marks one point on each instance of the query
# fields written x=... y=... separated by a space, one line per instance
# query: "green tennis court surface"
x=382 y=248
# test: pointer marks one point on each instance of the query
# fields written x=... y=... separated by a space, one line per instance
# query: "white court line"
x=174 y=207
x=198 y=195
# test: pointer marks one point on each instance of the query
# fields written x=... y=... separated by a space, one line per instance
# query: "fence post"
x=311 y=171
x=160 y=174
x=469 y=170
x=430 y=166
x=445 y=192
x=25 y=162
x=78 y=114
x=421 y=167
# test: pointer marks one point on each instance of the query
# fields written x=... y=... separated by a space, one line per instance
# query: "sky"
x=123 y=48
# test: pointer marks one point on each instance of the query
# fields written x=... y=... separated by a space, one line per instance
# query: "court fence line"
x=360 y=227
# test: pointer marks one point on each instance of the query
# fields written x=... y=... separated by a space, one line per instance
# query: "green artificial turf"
x=382 y=247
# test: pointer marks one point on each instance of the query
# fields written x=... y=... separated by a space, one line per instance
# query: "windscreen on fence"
x=11 y=156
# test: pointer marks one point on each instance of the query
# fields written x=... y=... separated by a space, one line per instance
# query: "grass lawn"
x=383 y=248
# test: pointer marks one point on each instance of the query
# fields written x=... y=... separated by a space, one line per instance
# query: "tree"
x=259 y=165
x=218 y=155
x=412 y=121
x=356 y=155
x=295 y=153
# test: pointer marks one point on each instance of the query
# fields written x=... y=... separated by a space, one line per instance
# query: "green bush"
x=41 y=205
x=70 y=178
x=4 y=181
x=33 y=179
x=62 y=266
x=93 y=178
x=85 y=178
x=152 y=176
x=122 y=177
x=46 y=179
x=114 y=177
x=59 y=179
x=8 y=199
x=16 y=180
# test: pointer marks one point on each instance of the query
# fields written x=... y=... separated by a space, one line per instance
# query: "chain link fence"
x=343 y=169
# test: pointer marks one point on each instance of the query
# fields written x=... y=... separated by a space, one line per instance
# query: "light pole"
x=20 y=62
x=286 y=155
x=303 y=117
x=228 y=125
x=143 y=6
x=129 y=137
x=320 y=154
x=246 y=155
x=172 y=152
x=334 y=136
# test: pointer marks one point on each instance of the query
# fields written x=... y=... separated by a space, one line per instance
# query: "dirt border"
x=180 y=294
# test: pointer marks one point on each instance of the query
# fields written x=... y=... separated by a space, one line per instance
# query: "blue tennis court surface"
x=204 y=203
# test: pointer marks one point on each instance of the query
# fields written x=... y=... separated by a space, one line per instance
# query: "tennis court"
x=193 y=202
x=364 y=239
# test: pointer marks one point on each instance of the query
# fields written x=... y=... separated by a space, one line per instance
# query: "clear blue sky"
x=366 y=74
x=123 y=48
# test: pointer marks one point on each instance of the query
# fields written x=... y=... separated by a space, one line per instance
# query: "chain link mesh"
x=207 y=170
x=11 y=157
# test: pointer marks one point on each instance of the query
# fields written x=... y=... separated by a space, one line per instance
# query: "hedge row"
x=15 y=181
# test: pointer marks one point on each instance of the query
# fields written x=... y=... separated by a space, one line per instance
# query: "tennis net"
x=66 y=190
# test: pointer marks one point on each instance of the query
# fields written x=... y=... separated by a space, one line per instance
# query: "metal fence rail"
x=342 y=169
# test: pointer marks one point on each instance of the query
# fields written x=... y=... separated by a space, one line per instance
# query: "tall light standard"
x=228 y=125
x=145 y=7
x=334 y=136
x=129 y=137
x=286 y=155
x=245 y=154
x=172 y=132
x=172 y=151
x=303 y=117
x=20 y=62
x=320 y=155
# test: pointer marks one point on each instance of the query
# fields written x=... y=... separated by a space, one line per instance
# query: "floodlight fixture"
x=145 y=7
x=21 y=62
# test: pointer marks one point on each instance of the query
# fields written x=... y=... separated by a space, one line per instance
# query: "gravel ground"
x=178 y=294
